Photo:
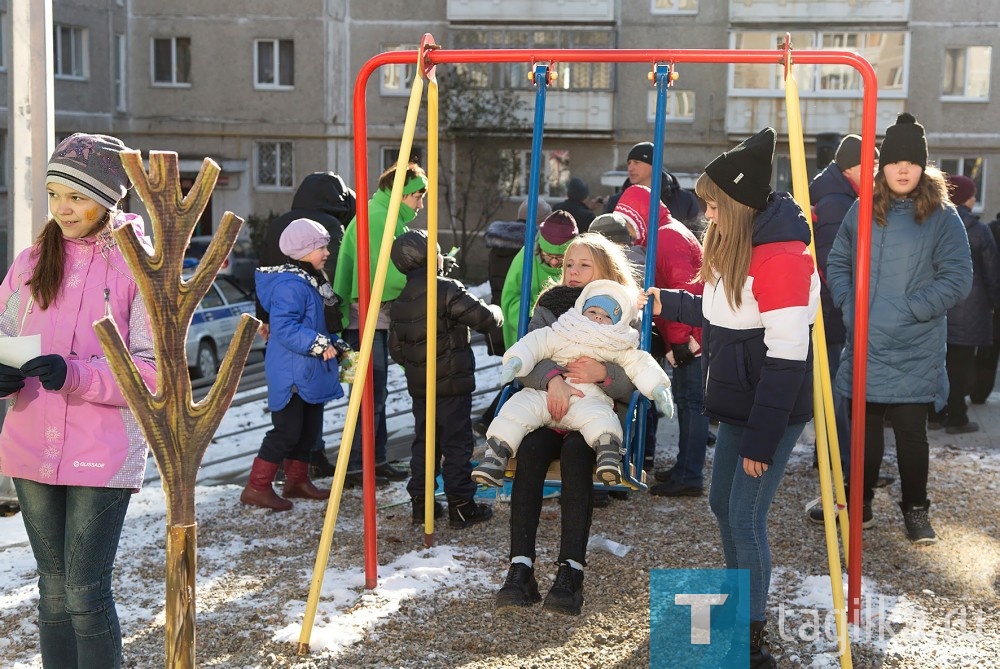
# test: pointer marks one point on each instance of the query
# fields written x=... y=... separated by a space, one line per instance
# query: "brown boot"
x=297 y=483
x=259 y=492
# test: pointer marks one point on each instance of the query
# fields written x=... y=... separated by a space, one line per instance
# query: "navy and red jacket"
x=757 y=358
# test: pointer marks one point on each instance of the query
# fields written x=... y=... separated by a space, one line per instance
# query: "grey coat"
x=918 y=272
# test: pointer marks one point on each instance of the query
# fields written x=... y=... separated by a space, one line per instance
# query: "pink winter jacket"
x=83 y=434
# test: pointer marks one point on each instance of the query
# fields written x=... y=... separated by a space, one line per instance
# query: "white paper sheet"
x=15 y=351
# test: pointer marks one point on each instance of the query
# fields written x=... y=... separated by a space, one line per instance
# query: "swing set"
x=663 y=73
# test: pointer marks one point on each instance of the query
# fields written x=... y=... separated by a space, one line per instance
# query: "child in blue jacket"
x=301 y=365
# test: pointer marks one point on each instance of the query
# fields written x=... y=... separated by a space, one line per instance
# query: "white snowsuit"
x=573 y=335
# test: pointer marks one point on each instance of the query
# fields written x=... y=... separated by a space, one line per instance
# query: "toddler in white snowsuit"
x=598 y=326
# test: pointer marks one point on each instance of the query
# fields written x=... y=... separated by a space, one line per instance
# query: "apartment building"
x=265 y=87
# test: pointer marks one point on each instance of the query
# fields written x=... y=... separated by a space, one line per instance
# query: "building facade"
x=265 y=87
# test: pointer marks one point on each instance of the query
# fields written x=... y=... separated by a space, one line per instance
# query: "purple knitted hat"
x=90 y=164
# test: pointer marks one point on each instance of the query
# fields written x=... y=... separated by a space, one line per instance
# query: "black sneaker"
x=664 y=475
x=918 y=525
x=566 y=594
x=357 y=481
x=962 y=429
x=601 y=499
x=519 y=589
x=320 y=466
x=418 y=510
x=815 y=513
x=674 y=489
x=463 y=513
x=392 y=472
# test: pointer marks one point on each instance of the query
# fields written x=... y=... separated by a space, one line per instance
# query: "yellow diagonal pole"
x=827 y=447
x=430 y=438
x=364 y=360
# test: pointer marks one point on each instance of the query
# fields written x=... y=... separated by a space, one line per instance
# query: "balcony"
x=745 y=116
x=818 y=11
x=525 y=11
x=581 y=112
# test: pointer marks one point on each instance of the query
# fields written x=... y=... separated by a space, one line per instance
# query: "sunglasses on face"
x=550 y=259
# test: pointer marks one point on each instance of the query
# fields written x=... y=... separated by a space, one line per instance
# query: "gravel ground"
x=244 y=595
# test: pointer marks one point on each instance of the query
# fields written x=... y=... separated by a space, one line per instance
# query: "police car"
x=214 y=324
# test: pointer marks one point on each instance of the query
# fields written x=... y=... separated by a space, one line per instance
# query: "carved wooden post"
x=177 y=428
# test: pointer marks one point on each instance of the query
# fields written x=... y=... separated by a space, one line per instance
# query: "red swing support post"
x=650 y=56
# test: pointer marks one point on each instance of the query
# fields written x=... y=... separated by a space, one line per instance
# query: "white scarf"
x=579 y=329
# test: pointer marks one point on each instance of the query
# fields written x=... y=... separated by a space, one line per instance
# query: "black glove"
x=682 y=355
x=449 y=265
x=50 y=370
x=11 y=380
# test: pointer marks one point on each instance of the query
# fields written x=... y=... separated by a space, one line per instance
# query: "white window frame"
x=678 y=102
x=552 y=184
x=401 y=73
x=282 y=181
x=274 y=85
x=79 y=41
x=120 y=72
x=674 y=8
x=965 y=96
x=173 y=83
x=969 y=171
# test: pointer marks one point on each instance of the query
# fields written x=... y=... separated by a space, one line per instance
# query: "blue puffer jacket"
x=970 y=322
x=832 y=195
x=918 y=272
x=294 y=360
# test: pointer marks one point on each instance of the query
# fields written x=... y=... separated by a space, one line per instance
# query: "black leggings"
x=576 y=461
x=909 y=423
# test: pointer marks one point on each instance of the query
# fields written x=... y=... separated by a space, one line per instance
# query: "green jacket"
x=510 y=300
x=345 y=281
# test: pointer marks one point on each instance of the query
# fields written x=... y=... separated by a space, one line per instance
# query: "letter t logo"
x=701 y=614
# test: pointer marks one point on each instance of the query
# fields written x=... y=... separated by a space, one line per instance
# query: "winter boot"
x=297 y=483
x=491 y=468
x=259 y=492
x=519 y=589
x=418 y=510
x=918 y=525
x=566 y=594
x=609 y=459
x=760 y=654
x=320 y=466
x=465 y=512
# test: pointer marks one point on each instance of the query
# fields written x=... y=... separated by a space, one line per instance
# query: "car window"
x=232 y=292
x=212 y=299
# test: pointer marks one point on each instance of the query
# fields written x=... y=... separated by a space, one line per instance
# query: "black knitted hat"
x=744 y=172
x=904 y=141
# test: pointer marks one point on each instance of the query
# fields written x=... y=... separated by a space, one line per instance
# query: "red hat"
x=634 y=206
x=960 y=189
x=556 y=232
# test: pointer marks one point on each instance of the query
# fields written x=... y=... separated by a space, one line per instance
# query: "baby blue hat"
x=606 y=302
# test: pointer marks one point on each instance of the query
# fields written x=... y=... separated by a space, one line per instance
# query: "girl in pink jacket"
x=69 y=441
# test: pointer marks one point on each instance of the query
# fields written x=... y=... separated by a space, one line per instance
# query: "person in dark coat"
x=987 y=356
x=970 y=322
x=683 y=204
x=576 y=192
x=457 y=311
x=325 y=198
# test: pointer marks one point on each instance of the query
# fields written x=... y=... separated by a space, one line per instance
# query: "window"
x=967 y=73
x=674 y=7
x=172 y=61
x=680 y=106
x=397 y=79
x=973 y=167
x=887 y=52
x=120 y=58
x=390 y=153
x=274 y=63
x=553 y=179
x=571 y=76
x=69 y=52
x=274 y=164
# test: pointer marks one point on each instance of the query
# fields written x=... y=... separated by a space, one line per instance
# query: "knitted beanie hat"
x=904 y=141
x=634 y=206
x=960 y=189
x=615 y=293
x=556 y=232
x=542 y=209
x=744 y=172
x=613 y=227
x=302 y=237
x=607 y=304
x=643 y=152
x=90 y=164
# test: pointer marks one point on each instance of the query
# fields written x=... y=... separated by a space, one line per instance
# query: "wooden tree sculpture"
x=177 y=428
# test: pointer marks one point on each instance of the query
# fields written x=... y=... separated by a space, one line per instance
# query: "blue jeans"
x=380 y=380
x=741 y=503
x=689 y=394
x=74 y=533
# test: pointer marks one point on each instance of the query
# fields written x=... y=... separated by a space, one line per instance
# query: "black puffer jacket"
x=457 y=311
x=970 y=322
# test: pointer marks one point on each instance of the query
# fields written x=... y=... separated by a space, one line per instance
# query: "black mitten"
x=50 y=370
x=11 y=380
x=682 y=354
x=449 y=265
